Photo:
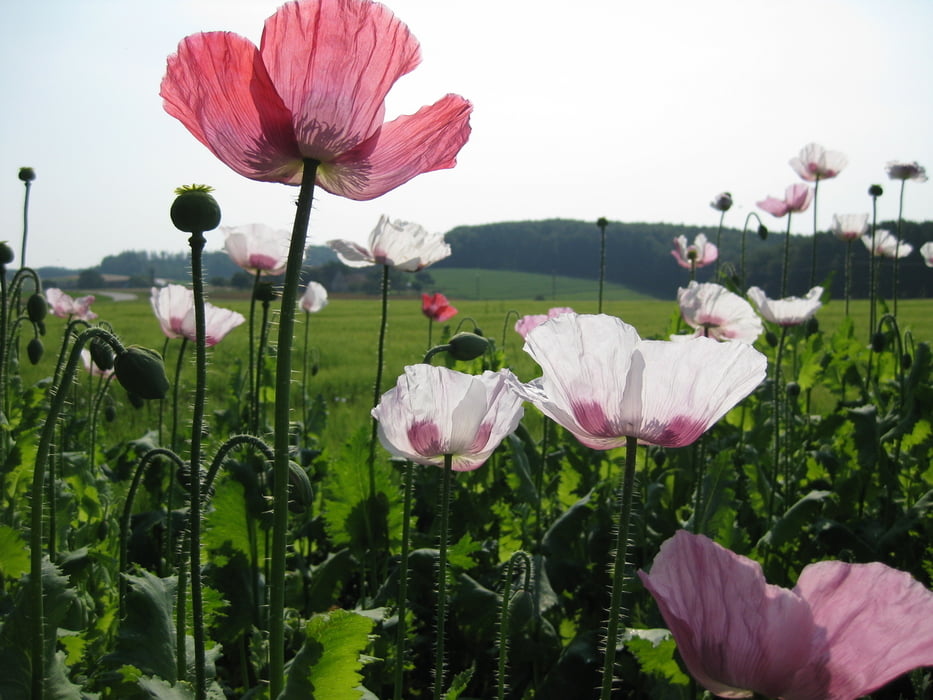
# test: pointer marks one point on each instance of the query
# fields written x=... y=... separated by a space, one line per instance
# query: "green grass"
x=505 y=284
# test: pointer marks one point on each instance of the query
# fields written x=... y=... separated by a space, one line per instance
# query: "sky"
x=633 y=111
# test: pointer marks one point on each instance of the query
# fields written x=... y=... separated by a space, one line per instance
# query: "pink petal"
x=333 y=62
x=217 y=86
x=404 y=148
x=775 y=207
x=873 y=623
x=735 y=632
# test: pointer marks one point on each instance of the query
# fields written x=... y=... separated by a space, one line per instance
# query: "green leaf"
x=793 y=522
x=14 y=554
x=228 y=522
x=654 y=649
x=458 y=555
x=329 y=662
x=459 y=684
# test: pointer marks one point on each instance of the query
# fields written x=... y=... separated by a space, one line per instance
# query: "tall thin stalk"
x=816 y=190
x=602 y=223
x=897 y=246
x=439 y=660
x=283 y=380
x=875 y=192
x=401 y=635
x=786 y=257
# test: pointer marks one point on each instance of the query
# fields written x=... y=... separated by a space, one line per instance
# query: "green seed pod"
x=36 y=307
x=195 y=210
x=27 y=174
x=110 y=413
x=6 y=253
x=34 y=350
x=467 y=346
x=875 y=191
x=142 y=372
x=101 y=354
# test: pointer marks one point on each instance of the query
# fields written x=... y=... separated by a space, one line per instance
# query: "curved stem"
x=377 y=389
x=283 y=379
x=194 y=507
x=619 y=566
x=446 y=478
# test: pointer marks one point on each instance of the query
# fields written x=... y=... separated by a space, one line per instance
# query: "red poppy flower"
x=314 y=88
x=436 y=307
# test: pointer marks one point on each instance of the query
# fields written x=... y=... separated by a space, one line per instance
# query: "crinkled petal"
x=873 y=623
x=171 y=305
x=333 y=62
x=352 y=254
x=676 y=391
x=404 y=148
x=775 y=207
x=217 y=86
x=715 y=311
x=735 y=632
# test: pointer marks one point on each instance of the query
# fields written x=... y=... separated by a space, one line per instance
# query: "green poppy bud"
x=27 y=174
x=264 y=292
x=771 y=339
x=875 y=191
x=110 y=413
x=101 y=354
x=195 y=210
x=34 y=350
x=762 y=232
x=467 y=346
x=793 y=390
x=141 y=372
x=906 y=361
x=878 y=341
x=36 y=307
x=521 y=611
x=6 y=253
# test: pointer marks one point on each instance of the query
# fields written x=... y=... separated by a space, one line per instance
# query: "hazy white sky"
x=636 y=111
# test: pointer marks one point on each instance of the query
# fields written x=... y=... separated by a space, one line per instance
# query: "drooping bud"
x=763 y=232
x=300 y=492
x=110 y=413
x=467 y=346
x=36 y=307
x=906 y=361
x=34 y=350
x=101 y=354
x=878 y=341
x=142 y=372
x=195 y=210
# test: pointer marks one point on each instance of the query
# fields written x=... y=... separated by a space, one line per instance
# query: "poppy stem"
x=619 y=566
x=602 y=223
x=816 y=190
x=401 y=637
x=442 y=577
x=872 y=270
x=786 y=257
x=897 y=246
x=281 y=443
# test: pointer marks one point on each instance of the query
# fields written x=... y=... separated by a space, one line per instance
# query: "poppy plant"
x=315 y=88
x=842 y=632
x=64 y=306
x=435 y=411
x=816 y=163
x=715 y=312
x=526 y=324
x=437 y=308
x=400 y=244
x=603 y=383
x=790 y=311
x=257 y=248
x=698 y=254
x=173 y=306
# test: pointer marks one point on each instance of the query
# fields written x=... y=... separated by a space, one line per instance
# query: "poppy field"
x=725 y=493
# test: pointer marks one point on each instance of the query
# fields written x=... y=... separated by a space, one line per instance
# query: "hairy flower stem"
x=170 y=495
x=722 y=217
x=618 y=567
x=602 y=261
x=283 y=378
x=439 y=661
x=816 y=190
x=873 y=271
x=252 y=368
x=260 y=351
x=197 y=419
x=786 y=258
x=897 y=246
x=776 y=398
x=401 y=636
x=22 y=250
x=43 y=449
x=848 y=274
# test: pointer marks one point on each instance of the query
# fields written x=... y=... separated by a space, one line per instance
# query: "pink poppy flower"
x=525 y=324
x=844 y=631
x=789 y=311
x=173 y=306
x=796 y=198
x=399 y=244
x=898 y=170
x=699 y=254
x=715 y=312
x=314 y=299
x=926 y=250
x=314 y=88
x=722 y=202
x=816 y=163
x=886 y=245
x=257 y=248
x=63 y=306
x=603 y=383
x=435 y=411
x=436 y=307
x=849 y=227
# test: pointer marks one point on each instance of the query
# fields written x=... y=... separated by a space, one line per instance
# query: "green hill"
x=478 y=284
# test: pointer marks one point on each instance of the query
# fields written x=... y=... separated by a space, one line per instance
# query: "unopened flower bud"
x=34 y=350
x=906 y=361
x=264 y=292
x=101 y=354
x=763 y=232
x=36 y=307
x=27 y=174
x=602 y=222
x=793 y=390
x=771 y=339
x=878 y=341
x=467 y=346
x=6 y=253
x=195 y=210
x=813 y=325
x=875 y=191
x=141 y=372
x=110 y=413
x=40 y=326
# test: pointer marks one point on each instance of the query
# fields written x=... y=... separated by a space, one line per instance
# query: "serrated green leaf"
x=654 y=649
x=458 y=555
x=14 y=554
x=458 y=684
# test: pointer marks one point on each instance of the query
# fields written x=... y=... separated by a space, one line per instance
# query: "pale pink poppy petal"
x=314 y=298
x=789 y=311
x=217 y=86
x=333 y=63
x=926 y=250
x=798 y=197
x=775 y=207
x=218 y=323
x=873 y=623
x=404 y=148
x=735 y=632
x=816 y=163
x=352 y=254
x=716 y=312
x=676 y=391
x=171 y=305
x=849 y=227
